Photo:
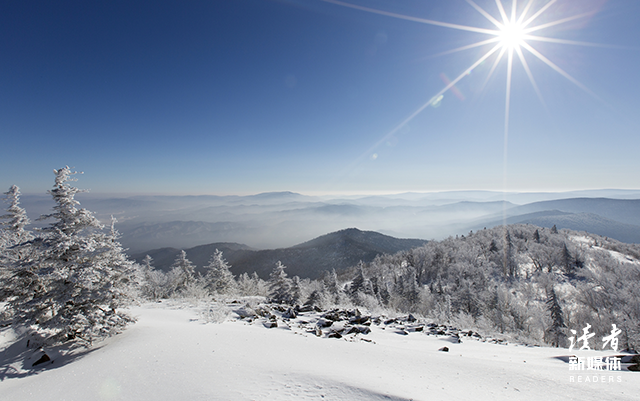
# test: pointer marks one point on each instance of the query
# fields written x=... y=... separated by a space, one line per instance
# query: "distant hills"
x=283 y=219
x=338 y=250
x=615 y=218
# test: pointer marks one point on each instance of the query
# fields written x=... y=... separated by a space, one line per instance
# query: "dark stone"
x=270 y=324
x=360 y=320
x=444 y=349
x=290 y=314
x=44 y=358
x=332 y=316
x=411 y=318
x=324 y=322
x=353 y=330
x=264 y=312
x=245 y=313
x=334 y=334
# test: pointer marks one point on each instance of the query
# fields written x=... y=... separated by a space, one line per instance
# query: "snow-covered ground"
x=171 y=354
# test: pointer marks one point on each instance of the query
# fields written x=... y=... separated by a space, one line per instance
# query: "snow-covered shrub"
x=215 y=312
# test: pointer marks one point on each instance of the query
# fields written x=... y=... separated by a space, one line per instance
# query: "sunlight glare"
x=512 y=35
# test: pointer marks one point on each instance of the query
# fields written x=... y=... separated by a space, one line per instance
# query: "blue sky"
x=249 y=96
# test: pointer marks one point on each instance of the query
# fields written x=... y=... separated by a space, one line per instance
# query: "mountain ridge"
x=337 y=250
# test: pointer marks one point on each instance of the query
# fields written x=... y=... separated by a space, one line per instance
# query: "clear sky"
x=312 y=96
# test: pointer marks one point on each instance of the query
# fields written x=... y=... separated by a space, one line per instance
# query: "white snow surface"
x=172 y=354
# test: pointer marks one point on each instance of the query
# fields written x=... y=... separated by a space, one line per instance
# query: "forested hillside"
x=515 y=279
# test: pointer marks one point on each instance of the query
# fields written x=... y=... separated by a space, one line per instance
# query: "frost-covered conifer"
x=218 y=278
x=334 y=289
x=296 y=290
x=554 y=335
x=120 y=277
x=154 y=284
x=14 y=239
x=182 y=274
x=280 y=285
x=73 y=290
x=316 y=298
x=13 y=230
x=360 y=284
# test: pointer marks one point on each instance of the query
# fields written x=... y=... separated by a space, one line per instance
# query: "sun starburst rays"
x=512 y=34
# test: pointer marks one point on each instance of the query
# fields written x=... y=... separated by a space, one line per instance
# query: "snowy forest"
x=72 y=281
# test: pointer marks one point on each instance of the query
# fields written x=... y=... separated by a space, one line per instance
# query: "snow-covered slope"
x=171 y=354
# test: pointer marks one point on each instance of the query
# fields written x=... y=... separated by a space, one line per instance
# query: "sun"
x=511 y=39
x=512 y=35
x=516 y=29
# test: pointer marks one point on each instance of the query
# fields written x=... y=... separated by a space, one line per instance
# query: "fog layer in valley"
x=284 y=219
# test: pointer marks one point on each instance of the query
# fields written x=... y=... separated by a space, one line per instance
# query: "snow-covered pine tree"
x=14 y=238
x=554 y=335
x=13 y=230
x=334 y=289
x=182 y=274
x=280 y=285
x=252 y=285
x=120 y=277
x=316 y=298
x=154 y=284
x=218 y=279
x=296 y=290
x=71 y=291
x=360 y=284
x=567 y=262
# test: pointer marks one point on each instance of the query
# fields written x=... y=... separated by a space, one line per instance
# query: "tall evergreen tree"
x=13 y=230
x=280 y=285
x=554 y=335
x=567 y=261
x=296 y=290
x=334 y=289
x=14 y=238
x=73 y=290
x=182 y=273
x=360 y=284
x=218 y=278
x=154 y=281
x=536 y=236
x=509 y=266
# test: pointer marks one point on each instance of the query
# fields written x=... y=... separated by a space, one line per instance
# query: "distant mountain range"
x=615 y=218
x=283 y=219
x=338 y=250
